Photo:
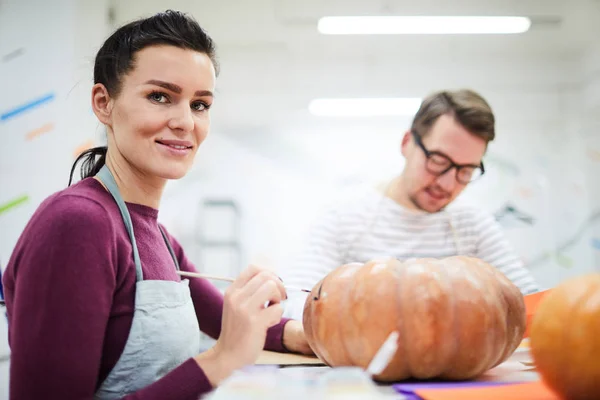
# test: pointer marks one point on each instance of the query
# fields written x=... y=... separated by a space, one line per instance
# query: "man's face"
x=425 y=190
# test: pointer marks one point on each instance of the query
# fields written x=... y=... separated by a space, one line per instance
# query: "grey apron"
x=164 y=331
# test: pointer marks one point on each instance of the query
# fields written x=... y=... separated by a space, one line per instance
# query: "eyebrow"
x=419 y=139
x=177 y=89
x=454 y=162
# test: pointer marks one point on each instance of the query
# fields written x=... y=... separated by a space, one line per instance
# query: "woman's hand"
x=245 y=322
x=294 y=338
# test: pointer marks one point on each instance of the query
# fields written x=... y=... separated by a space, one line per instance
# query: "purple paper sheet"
x=408 y=389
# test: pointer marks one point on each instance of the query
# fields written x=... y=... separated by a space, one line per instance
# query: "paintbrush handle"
x=205 y=276
x=221 y=278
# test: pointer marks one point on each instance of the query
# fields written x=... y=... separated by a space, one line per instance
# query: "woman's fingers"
x=250 y=272
x=260 y=279
x=271 y=315
x=268 y=292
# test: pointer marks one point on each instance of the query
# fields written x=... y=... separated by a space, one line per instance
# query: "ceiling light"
x=366 y=107
x=397 y=25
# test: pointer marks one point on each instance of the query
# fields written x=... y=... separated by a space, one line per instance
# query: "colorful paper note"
x=13 y=203
x=520 y=391
x=39 y=131
x=83 y=147
x=13 y=54
x=26 y=107
x=410 y=390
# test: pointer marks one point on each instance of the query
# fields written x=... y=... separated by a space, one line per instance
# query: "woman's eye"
x=158 y=97
x=200 y=106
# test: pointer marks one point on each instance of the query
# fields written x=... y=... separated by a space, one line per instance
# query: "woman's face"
x=161 y=115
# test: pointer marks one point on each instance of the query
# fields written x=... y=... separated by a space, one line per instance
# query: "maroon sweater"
x=70 y=289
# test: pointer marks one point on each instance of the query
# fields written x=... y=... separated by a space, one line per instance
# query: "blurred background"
x=271 y=162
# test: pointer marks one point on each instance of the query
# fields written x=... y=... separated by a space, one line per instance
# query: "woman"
x=96 y=307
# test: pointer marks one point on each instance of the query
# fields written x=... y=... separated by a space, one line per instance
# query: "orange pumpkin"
x=565 y=338
x=456 y=317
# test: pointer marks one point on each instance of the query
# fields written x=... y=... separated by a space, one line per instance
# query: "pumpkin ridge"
x=489 y=324
x=506 y=316
x=401 y=323
x=346 y=353
x=494 y=323
x=323 y=354
x=397 y=366
x=454 y=324
x=503 y=352
x=357 y=332
x=313 y=328
x=464 y=365
x=510 y=344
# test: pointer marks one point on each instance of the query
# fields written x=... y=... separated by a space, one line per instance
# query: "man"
x=409 y=217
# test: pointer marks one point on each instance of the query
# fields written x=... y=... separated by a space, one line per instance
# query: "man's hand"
x=294 y=339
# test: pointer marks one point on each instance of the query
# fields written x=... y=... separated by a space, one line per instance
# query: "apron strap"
x=164 y=235
x=109 y=181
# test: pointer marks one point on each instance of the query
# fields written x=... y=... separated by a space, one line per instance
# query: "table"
x=305 y=378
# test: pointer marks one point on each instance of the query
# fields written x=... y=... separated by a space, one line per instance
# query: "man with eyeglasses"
x=411 y=216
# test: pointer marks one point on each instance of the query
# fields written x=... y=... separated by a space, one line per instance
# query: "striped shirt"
x=373 y=226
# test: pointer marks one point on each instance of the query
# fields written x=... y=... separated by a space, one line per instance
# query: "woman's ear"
x=102 y=103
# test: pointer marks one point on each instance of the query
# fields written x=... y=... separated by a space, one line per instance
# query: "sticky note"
x=13 y=203
x=39 y=131
x=26 y=107
x=521 y=391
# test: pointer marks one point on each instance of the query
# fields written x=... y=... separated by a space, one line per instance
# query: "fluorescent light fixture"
x=367 y=107
x=397 y=25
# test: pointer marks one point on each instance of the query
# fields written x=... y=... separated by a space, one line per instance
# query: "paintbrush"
x=224 y=279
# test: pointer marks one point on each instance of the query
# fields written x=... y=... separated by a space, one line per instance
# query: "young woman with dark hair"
x=96 y=307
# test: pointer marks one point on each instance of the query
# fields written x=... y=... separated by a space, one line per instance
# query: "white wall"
x=279 y=200
x=540 y=163
x=45 y=49
x=588 y=123
x=274 y=62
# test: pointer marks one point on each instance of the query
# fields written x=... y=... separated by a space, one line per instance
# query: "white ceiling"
x=273 y=61
x=289 y=26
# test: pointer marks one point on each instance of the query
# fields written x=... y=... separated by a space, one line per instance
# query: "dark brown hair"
x=468 y=108
x=116 y=58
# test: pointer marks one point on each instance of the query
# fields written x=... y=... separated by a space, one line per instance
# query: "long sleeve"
x=495 y=249
x=59 y=286
x=208 y=302
x=320 y=256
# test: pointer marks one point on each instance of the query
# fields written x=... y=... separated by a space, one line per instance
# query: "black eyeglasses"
x=438 y=164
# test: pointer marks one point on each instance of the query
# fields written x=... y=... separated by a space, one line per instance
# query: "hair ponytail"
x=90 y=165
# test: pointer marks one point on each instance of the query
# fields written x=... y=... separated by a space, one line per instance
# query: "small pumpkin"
x=456 y=317
x=565 y=338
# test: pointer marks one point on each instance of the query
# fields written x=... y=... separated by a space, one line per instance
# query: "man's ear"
x=406 y=139
x=102 y=103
